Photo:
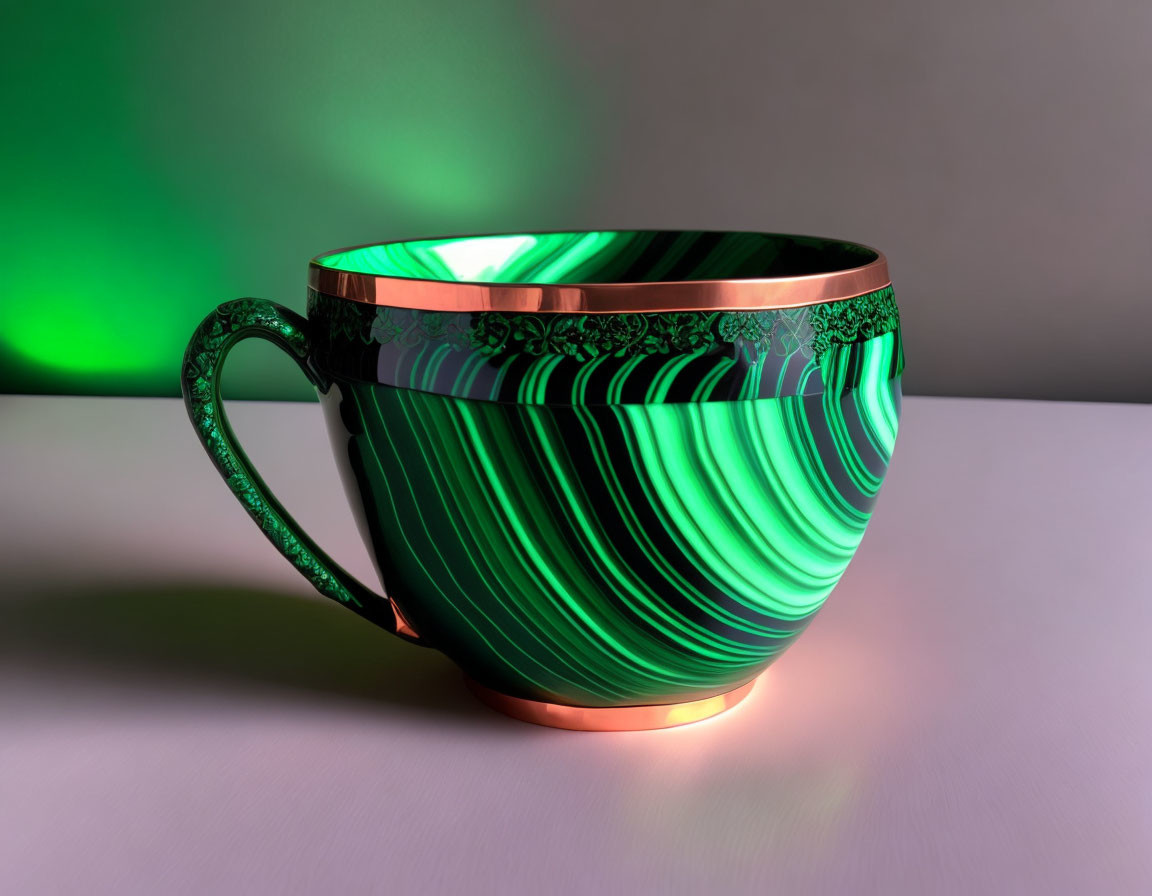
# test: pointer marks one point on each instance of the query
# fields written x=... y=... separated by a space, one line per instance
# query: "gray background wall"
x=172 y=156
x=1000 y=154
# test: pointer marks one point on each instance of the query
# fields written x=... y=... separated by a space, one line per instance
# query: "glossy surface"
x=607 y=256
x=590 y=510
x=616 y=554
x=602 y=272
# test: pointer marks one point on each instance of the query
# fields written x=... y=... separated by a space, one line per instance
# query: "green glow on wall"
x=170 y=157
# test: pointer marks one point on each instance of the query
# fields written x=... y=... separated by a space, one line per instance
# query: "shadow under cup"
x=612 y=475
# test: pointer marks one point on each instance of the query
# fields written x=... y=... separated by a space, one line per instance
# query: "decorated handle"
x=200 y=382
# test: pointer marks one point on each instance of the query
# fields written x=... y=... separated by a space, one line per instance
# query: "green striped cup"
x=611 y=474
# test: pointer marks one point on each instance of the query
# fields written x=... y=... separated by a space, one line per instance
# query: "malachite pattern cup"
x=612 y=475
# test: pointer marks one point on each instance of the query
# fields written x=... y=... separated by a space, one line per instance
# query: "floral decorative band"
x=648 y=357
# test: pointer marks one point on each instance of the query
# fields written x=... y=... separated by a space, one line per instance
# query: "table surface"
x=970 y=713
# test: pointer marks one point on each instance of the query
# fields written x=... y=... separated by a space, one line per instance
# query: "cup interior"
x=603 y=257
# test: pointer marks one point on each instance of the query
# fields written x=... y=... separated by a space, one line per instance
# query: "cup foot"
x=610 y=718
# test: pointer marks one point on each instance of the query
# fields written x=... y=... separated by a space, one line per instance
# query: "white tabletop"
x=970 y=713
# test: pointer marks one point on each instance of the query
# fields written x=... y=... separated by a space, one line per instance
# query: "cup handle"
x=200 y=383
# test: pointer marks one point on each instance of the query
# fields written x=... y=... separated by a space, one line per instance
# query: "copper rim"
x=610 y=718
x=403 y=627
x=751 y=294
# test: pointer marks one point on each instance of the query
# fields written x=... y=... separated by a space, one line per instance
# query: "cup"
x=611 y=474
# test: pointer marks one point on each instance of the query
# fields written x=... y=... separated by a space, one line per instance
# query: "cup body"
x=610 y=509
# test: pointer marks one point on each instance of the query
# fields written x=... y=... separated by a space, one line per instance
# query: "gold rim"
x=752 y=294
x=610 y=718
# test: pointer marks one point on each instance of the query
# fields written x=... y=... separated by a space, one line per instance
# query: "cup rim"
x=729 y=294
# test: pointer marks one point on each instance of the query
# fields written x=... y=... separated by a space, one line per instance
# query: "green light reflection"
x=172 y=157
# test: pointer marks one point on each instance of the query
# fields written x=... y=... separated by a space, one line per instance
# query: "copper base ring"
x=610 y=718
